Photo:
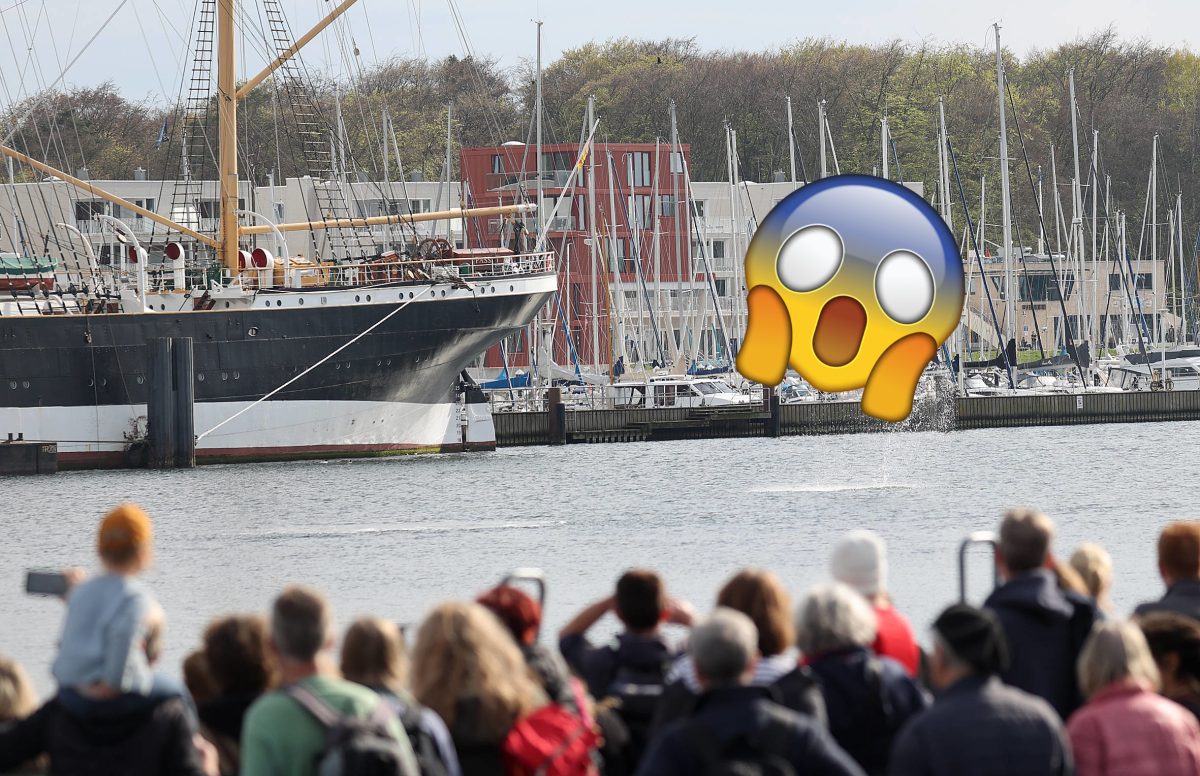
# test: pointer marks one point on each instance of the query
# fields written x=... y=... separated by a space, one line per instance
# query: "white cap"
x=860 y=561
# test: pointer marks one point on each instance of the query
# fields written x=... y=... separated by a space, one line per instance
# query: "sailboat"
x=293 y=357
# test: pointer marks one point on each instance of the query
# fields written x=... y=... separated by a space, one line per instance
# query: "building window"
x=1144 y=280
x=643 y=210
x=698 y=207
x=87 y=209
x=666 y=205
x=676 y=162
x=497 y=163
x=641 y=168
x=721 y=286
x=718 y=249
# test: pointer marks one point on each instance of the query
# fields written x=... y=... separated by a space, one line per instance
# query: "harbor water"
x=393 y=536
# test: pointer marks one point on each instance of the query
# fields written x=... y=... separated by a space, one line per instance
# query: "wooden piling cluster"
x=170 y=400
x=561 y=426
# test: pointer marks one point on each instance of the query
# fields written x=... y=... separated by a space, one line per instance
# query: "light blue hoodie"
x=106 y=621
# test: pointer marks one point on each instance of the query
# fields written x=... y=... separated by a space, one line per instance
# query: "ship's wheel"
x=434 y=249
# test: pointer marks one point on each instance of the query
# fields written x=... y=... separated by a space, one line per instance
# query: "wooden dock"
x=836 y=417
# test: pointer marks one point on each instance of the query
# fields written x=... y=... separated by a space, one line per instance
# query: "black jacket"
x=598 y=666
x=153 y=741
x=981 y=727
x=1183 y=597
x=796 y=690
x=868 y=700
x=732 y=717
x=1045 y=628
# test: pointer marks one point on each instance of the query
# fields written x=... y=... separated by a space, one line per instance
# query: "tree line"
x=1127 y=90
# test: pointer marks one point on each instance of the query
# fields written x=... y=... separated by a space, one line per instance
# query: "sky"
x=140 y=49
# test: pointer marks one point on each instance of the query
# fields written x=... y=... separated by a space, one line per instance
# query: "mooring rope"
x=356 y=338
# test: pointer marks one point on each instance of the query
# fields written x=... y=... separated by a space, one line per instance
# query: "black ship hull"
x=80 y=380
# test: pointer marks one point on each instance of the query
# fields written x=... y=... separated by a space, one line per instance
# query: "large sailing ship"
x=293 y=357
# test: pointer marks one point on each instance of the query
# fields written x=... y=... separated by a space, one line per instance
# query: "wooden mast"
x=227 y=237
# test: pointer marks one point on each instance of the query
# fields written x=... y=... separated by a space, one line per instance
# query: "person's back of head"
x=301 y=624
x=859 y=560
x=967 y=641
x=125 y=539
x=1174 y=641
x=834 y=617
x=463 y=654
x=198 y=679
x=1179 y=552
x=17 y=700
x=520 y=614
x=1025 y=536
x=760 y=595
x=640 y=600
x=373 y=654
x=237 y=655
x=1094 y=566
x=1115 y=652
x=724 y=648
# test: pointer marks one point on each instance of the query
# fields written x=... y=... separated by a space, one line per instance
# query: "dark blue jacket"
x=981 y=727
x=727 y=721
x=868 y=699
x=598 y=666
x=1045 y=629
x=1183 y=597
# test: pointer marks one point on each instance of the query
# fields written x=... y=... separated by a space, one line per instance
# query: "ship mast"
x=227 y=238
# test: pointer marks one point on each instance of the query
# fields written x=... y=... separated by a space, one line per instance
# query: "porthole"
x=200 y=377
x=368 y=297
x=279 y=303
x=103 y=382
x=237 y=375
x=140 y=380
x=337 y=366
x=91 y=383
x=410 y=294
x=443 y=292
x=493 y=289
x=227 y=305
x=324 y=300
x=432 y=292
x=300 y=301
x=224 y=375
x=25 y=384
x=512 y=288
x=389 y=362
x=378 y=363
x=267 y=303
x=357 y=298
x=162 y=307
x=347 y=364
x=12 y=384
x=252 y=331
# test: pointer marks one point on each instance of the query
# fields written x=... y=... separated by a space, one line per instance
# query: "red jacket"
x=894 y=639
x=1127 y=730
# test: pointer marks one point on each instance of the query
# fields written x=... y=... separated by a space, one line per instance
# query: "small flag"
x=162 y=134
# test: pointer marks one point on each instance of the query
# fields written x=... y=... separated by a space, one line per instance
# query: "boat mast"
x=227 y=161
x=592 y=246
x=1096 y=265
x=1157 y=331
x=1009 y=302
x=821 y=134
x=883 y=145
x=791 y=143
x=1077 y=262
x=538 y=136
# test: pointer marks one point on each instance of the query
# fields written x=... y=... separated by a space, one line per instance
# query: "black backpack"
x=354 y=746
x=429 y=758
x=634 y=694
x=758 y=754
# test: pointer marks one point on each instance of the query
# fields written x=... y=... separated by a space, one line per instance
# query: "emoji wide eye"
x=809 y=258
x=904 y=286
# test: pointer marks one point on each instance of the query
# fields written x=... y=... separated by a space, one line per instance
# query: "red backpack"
x=550 y=742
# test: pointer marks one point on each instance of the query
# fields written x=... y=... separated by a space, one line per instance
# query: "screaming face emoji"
x=854 y=281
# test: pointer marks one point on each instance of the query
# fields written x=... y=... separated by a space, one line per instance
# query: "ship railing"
x=467 y=266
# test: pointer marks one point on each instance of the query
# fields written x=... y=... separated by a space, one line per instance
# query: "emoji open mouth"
x=839 y=331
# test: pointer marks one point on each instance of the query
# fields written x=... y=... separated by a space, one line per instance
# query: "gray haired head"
x=834 y=617
x=723 y=647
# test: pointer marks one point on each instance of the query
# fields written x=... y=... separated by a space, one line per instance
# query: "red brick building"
x=648 y=189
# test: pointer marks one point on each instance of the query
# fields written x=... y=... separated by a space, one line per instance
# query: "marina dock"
x=770 y=419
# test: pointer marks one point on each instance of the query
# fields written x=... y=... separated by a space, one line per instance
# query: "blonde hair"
x=1094 y=566
x=464 y=653
x=1115 y=651
x=373 y=654
x=17 y=700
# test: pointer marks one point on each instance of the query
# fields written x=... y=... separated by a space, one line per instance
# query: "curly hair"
x=760 y=595
x=463 y=654
x=236 y=654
